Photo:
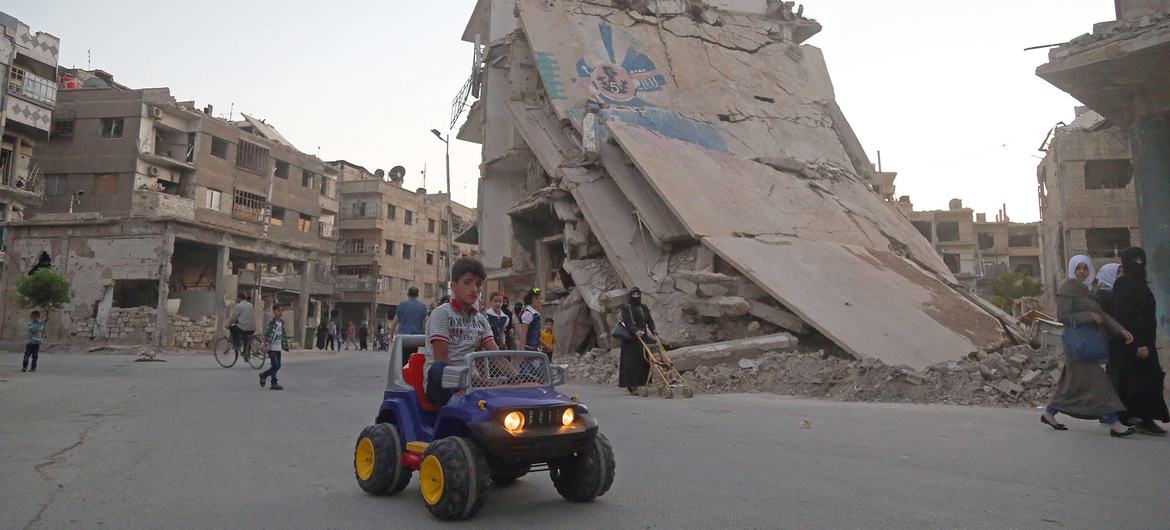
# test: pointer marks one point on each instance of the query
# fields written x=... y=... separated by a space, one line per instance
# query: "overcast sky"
x=943 y=89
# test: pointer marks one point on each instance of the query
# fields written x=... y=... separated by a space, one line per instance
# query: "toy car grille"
x=515 y=370
x=543 y=417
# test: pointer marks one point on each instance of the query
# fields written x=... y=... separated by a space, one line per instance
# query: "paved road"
x=99 y=441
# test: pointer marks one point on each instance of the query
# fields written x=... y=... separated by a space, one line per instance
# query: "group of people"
x=1128 y=394
x=529 y=331
x=330 y=337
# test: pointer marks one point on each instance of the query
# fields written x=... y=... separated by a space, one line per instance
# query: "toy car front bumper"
x=530 y=446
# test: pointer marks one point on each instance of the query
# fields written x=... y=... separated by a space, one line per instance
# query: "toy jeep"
x=505 y=420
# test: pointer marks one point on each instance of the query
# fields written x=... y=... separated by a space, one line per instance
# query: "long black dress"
x=1138 y=382
x=633 y=370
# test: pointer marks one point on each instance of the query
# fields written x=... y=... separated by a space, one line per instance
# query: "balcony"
x=370 y=212
x=155 y=204
x=356 y=284
x=32 y=87
x=326 y=231
x=328 y=204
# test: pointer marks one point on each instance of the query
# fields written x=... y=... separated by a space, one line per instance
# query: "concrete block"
x=732 y=351
x=685 y=286
x=1030 y=376
x=714 y=289
x=1018 y=360
x=1009 y=388
x=778 y=317
x=720 y=306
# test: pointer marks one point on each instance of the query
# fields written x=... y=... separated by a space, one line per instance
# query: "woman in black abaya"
x=1134 y=368
x=634 y=369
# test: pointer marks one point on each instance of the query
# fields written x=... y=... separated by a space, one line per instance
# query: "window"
x=112 y=127
x=405 y=286
x=1026 y=269
x=389 y=247
x=353 y=246
x=948 y=231
x=62 y=128
x=277 y=218
x=407 y=251
x=443 y=258
x=219 y=148
x=1107 y=174
x=248 y=206
x=430 y=226
x=391 y=212
x=428 y=290
x=253 y=158
x=32 y=86
x=214 y=199
x=923 y=228
x=444 y=230
x=56 y=185
x=304 y=223
x=307 y=178
x=1106 y=242
x=1021 y=240
x=986 y=240
x=430 y=257
x=105 y=184
x=408 y=217
x=282 y=169
x=387 y=283
x=952 y=261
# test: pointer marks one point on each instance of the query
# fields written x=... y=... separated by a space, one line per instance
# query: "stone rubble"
x=1020 y=375
x=137 y=324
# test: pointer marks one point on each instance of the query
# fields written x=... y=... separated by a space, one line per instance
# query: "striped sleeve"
x=439 y=325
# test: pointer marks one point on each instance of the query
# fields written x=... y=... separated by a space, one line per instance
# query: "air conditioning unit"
x=155 y=113
x=152 y=171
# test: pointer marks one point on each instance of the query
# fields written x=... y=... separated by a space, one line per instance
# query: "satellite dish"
x=95 y=82
x=397 y=173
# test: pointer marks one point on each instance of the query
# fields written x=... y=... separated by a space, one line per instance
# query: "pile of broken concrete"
x=1019 y=375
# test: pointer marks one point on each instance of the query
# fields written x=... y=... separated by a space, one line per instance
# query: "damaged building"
x=695 y=150
x=158 y=213
x=29 y=61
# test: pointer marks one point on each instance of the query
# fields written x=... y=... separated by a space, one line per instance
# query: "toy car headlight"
x=568 y=417
x=514 y=421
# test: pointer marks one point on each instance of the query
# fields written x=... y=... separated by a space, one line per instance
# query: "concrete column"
x=221 y=260
x=303 y=304
x=162 y=324
x=1150 y=142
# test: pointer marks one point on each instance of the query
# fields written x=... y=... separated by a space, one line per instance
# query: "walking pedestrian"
x=380 y=341
x=32 y=346
x=351 y=335
x=410 y=318
x=331 y=339
x=498 y=320
x=322 y=334
x=1134 y=368
x=276 y=340
x=1105 y=279
x=1084 y=390
x=529 y=330
x=364 y=336
x=634 y=369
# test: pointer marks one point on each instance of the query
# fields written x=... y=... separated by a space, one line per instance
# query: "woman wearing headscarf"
x=635 y=318
x=1106 y=277
x=1134 y=368
x=1084 y=390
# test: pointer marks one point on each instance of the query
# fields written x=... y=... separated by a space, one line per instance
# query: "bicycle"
x=226 y=352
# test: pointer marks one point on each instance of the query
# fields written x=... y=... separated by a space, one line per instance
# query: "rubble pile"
x=1020 y=375
x=136 y=324
x=192 y=333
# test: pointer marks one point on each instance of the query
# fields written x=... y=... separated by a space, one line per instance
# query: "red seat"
x=413 y=375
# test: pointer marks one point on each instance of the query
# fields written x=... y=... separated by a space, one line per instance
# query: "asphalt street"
x=100 y=441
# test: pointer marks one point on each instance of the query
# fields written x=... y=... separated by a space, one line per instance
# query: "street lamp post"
x=450 y=225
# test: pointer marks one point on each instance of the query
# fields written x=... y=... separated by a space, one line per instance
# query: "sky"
x=943 y=89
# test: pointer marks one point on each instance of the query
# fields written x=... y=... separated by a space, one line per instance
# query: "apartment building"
x=1088 y=202
x=392 y=239
x=151 y=202
x=29 y=61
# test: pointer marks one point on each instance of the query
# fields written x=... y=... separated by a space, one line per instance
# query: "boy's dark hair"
x=277 y=306
x=467 y=266
x=550 y=321
x=495 y=295
x=412 y=292
x=35 y=314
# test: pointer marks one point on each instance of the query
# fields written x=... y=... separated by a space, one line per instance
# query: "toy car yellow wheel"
x=688 y=392
x=377 y=460
x=453 y=478
x=587 y=474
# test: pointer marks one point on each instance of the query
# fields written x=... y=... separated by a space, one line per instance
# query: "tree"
x=45 y=288
x=1010 y=286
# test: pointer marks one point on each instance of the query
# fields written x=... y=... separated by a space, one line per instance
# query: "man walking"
x=276 y=341
x=409 y=318
x=242 y=323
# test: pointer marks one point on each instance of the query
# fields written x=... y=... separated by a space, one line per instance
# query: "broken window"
x=430 y=257
x=282 y=168
x=407 y=251
x=253 y=158
x=135 y=293
x=62 y=128
x=1106 y=242
x=923 y=228
x=391 y=211
x=248 y=206
x=444 y=229
x=219 y=148
x=277 y=217
x=105 y=184
x=986 y=240
x=1021 y=240
x=948 y=231
x=408 y=217
x=1027 y=269
x=307 y=178
x=214 y=199
x=428 y=290
x=389 y=247
x=952 y=261
x=1107 y=174
x=304 y=223
x=430 y=226
x=112 y=127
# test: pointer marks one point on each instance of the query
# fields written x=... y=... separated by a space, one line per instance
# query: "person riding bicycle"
x=242 y=323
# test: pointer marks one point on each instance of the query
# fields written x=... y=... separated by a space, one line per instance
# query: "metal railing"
x=327 y=231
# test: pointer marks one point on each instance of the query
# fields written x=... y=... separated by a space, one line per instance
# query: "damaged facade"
x=392 y=239
x=158 y=214
x=1088 y=205
x=29 y=61
x=695 y=150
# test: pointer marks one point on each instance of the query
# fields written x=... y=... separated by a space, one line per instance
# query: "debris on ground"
x=1019 y=375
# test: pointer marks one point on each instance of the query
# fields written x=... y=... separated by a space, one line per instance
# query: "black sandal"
x=1054 y=424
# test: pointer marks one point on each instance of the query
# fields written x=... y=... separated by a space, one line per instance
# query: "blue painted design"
x=666 y=123
x=620 y=83
x=550 y=72
x=607 y=40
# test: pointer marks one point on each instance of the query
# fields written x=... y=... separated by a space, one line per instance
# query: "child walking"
x=277 y=342
x=32 y=347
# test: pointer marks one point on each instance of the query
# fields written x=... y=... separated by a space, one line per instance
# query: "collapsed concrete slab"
x=708 y=164
x=691 y=357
